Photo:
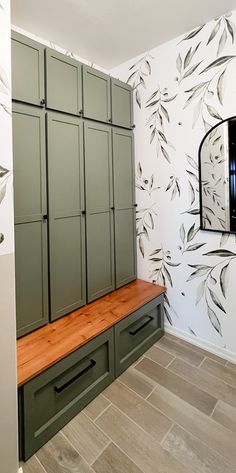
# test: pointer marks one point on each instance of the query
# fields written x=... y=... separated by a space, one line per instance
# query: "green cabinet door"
x=96 y=95
x=99 y=210
x=30 y=217
x=122 y=103
x=27 y=69
x=124 y=203
x=66 y=213
x=63 y=83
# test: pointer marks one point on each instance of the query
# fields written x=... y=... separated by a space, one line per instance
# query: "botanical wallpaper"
x=181 y=89
x=6 y=188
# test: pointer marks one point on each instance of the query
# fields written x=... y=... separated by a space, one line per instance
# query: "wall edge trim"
x=201 y=343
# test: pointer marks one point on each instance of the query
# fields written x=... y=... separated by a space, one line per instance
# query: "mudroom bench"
x=64 y=365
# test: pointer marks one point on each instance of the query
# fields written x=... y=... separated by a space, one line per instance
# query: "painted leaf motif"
x=193 y=33
x=192 y=163
x=149 y=220
x=214 y=320
x=192 y=232
x=199 y=272
x=218 y=62
x=3 y=192
x=200 y=292
x=179 y=63
x=191 y=70
x=165 y=154
x=3 y=171
x=182 y=233
x=138 y=98
x=220 y=87
x=148 y=65
x=165 y=113
x=4 y=78
x=192 y=193
x=195 y=246
x=167 y=275
x=222 y=42
x=140 y=171
x=212 y=111
x=224 y=238
x=141 y=246
x=222 y=253
x=216 y=300
x=193 y=212
x=214 y=32
x=1 y=238
x=230 y=27
x=168 y=316
x=174 y=265
x=224 y=279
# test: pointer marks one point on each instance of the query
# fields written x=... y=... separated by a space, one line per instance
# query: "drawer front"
x=136 y=333
x=51 y=399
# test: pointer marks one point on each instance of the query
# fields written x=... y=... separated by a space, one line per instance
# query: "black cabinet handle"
x=45 y=217
x=61 y=388
x=142 y=326
x=42 y=102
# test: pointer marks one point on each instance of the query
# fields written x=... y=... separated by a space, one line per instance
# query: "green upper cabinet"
x=66 y=213
x=30 y=217
x=124 y=203
x=63 y=83
x=96 y=94
x=122 y=104
x=99 y=209
x=27 y=70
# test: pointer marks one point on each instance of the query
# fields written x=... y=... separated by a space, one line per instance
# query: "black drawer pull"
x=142 y=326
x=59 y=389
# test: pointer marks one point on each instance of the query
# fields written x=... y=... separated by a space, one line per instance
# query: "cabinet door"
x=66 y=218
x=124 y=198
x=27 y=69
x=99 y=210
x=96 y=94
x=122 y=104
x=30 y=217
x=63 y=83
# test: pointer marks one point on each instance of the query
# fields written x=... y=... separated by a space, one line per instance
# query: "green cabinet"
x=63 y=83
x=27 y=70
x=124 y=203
x=122 y=104
x=51 y=399
x=30 y=217
x=66 y=213
x=96 y=95
x=99 y=209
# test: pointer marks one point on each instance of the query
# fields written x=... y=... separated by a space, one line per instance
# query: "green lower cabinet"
x=54 y=397
x=136 y=333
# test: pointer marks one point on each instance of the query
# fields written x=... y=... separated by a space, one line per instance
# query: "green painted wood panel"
x=96 y=95
x=27 y=70
x=63 y=83
x=124 y=201
x=66 y=218
x=136 y=333
x=51 y=399
x=122 y=104
x=99 y=209
x=30 y=228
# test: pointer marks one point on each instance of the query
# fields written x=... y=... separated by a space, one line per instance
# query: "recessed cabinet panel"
x=27 y=69
x=30 y=226
x=125 y=246
x=123 y=164
x=100 y=254
x=122 y=104
x=66 y=220
x=31 y=276
x=96 y=94
x=63 y=83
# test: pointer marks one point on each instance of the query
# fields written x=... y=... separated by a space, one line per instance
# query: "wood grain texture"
x=43 y=348
x=225 y=415
x=177 y=349
x=33 y=466
x=96 y=407
x=195 y=348
x=137 y=381
x=225 y=373
x=113 y=460
x=160 y=356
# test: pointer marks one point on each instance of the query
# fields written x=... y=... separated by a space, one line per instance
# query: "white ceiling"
x=109 y=32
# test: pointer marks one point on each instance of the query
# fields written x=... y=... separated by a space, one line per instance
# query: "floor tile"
x=205 y=381
x=138 y=382
x=33 y=466
x=96 y=407
x=177 y=349
x=85 y=437
x=225 y=415
x=185 y=390
x=113 y=460
x=160 y=356
x=214 y=435
x=58 y=456
x=147 y=417
x=231 y=365
x=193 y=453
x=137 y=444
x=199 y=350
x=225 y=373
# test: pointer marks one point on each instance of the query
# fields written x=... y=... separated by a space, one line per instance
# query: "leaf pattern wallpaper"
x=6 y=187
x=181 y=89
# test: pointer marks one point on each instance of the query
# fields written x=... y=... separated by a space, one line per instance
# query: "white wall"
x=8 y=415
x=182 y=88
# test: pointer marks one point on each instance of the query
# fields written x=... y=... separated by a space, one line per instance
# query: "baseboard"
x=20 y=470
x=201 y=343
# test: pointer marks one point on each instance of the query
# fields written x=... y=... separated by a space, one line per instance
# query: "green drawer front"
x=136 y=333
x=51 y=399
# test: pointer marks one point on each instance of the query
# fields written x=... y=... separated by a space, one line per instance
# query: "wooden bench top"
x=47 y=345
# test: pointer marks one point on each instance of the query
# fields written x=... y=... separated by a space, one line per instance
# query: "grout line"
x=202 y=362
x=213 y=410
x=102 y=451
x=152 y=391
x=174 y=358
x=35 y=455
x=125 y=453
x=79 y=453
x=167 y=433
x=99 y=415
x=135 y=392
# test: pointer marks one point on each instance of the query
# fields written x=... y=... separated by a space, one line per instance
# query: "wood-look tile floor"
x=173 y=411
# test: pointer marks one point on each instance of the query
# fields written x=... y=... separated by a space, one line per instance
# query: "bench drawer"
x=137 y=332
x=51 y=399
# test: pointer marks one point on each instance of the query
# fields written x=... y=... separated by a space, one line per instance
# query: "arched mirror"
x=217 y=170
